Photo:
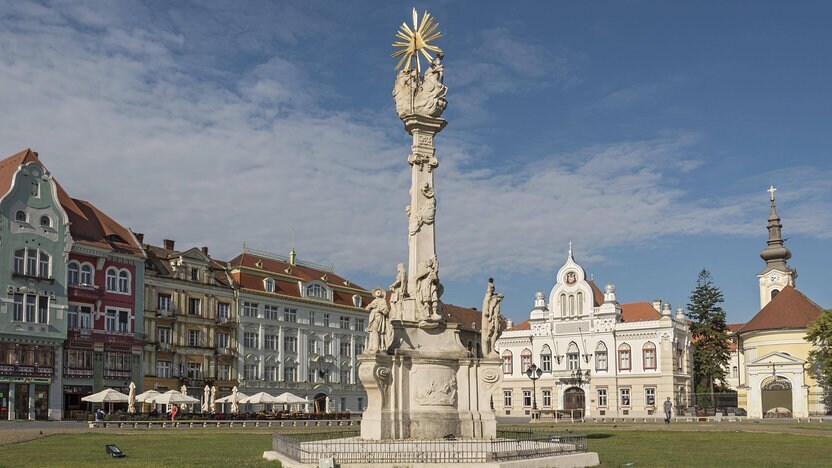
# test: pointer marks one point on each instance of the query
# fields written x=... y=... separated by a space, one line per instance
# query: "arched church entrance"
x=777 y=397
x=574 y=399
x=320 y=403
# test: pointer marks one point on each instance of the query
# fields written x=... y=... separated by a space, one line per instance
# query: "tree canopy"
x=709 y=332
x=819 y=334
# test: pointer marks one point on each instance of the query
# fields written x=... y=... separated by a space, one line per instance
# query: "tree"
x=819 y=333
x=709 y=334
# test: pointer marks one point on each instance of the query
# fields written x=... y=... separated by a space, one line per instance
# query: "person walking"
x=668 y=410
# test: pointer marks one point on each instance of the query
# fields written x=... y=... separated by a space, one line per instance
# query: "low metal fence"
x=509 y=445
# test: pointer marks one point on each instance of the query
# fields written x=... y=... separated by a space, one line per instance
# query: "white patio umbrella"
x=131 y=399
x=227 y=399
x=145 y=397
x=108 y=395
x=206 y=397
x=172 y=397
x=289 y=398
x=261 y=398
x=235 y=396
x=213 y=404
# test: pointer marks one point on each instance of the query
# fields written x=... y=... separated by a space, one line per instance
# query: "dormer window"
x=356 y=300
x=317 y=291
x=194 y=274
x=20 y=216
x=268 y=285
x=45 y=221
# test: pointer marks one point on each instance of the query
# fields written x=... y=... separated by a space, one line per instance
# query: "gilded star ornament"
x=416 y=40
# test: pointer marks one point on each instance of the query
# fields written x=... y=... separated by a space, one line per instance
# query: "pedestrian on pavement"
x=668 y=410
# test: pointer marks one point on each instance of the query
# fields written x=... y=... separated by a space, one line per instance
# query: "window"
x=163 y=300
x=250 y=339
x=193 y=338
x=547 y=397
x=79 y=358
x=250 y=372
x=602 y=397
x=345 y=323
x=326 y=320
x=624 y=357
x=222 y=340
x=32 y=262
x=290 y=374
x=20 y=216
x=79 y=317
x=507 y=398
x=117 y=361
x=111 y=279
x=734 y=371
x=507 y=358
x=527 y=397
x=290 y=315
x=45 y=221
x=345 y=376
x=360 y=404
x=268 y=284
x=72 y=273
x=250 y=309
x=359 y=324
x=164 y=335
x=194 y=274
x=316 y=290
x=110 y=320
x=311 y=318
x=601 y=357
x=270 y=342
x=271 y=311
x=224 y=372
x=290 y=344
x=525 y=360
x=195 y=370
x=223 y=309
x=625 y=397
x=30 y=308
x=650 y=396
x=572 y=356
x=17 y=315
x=35 y=189
x=312 y=346
x=163 y=369
x=359 y=347
x=86 y=274
x=123 y=321
x=31 y=301
x=546 y=359
x=124 y=282
x=43 y=309
x=194 y=306
x=680 y=356
x=311 y=375
x=328 y=346
x=580 y=304
x=649 y=352
x=270 y=373
x=345 y=349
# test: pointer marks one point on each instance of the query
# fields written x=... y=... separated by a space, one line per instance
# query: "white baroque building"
x=598 y=358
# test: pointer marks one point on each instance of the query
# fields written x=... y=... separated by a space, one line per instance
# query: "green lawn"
x=616 y=446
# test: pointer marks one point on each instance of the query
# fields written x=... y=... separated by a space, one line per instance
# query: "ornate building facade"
x=301 y=330
x=597 y=358
x=191 y=322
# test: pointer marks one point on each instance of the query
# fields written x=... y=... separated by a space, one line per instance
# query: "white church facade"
x=597 y=358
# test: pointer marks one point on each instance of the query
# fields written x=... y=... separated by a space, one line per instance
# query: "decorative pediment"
x=778 y=358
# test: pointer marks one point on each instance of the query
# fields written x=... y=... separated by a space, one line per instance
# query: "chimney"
x=139 y=237
x=657 y=304
x=169 y=243
x=205 y=251
x=666 y=309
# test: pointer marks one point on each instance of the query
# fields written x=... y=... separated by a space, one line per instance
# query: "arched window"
x=72 y=273
x=580 y=303
x=45 y=221
x=571 y=305
x=268 y=284
x=112 y=283
x=546 y=359
x=624 y=361
x=86 y=274
x=774 y=292
x=525 y=359
x=316 y=290
x=124 y=281
x=20 y=262
x=734 y=371
x=20 y=216
x=601 y=357
x=563 y=311
x=507 y=362
x=649 y=355
x=572 y=356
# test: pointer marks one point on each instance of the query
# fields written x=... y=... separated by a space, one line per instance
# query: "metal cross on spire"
x=771 y=191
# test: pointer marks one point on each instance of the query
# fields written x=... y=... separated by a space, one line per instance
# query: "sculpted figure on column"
x=377 y=325
x=398 y=291
x=426 y=212
x=490 y=319
x=428 y=289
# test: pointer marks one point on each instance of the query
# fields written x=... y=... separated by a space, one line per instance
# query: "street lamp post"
x=534 y=373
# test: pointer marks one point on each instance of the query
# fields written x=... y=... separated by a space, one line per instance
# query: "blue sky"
x=644 y=132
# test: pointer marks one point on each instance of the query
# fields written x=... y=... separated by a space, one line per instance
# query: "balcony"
x=165 y=347
x=166 y=313
x=117 y=374
x=227 y=322
x=48 y=279
x=27 y=370
x=89 y=291
x=78 y=372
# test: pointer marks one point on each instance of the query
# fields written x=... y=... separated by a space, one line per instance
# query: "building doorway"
x=574 y=399
x=320 y=403
x=777 y=397
x=21 y=401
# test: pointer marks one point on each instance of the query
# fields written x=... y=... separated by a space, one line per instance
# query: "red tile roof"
x=639 y=312
x=789 y=309
x=89 y=225
x=597 y=294
x=522 y=326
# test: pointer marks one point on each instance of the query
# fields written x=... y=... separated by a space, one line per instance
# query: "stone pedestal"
x=428 y=387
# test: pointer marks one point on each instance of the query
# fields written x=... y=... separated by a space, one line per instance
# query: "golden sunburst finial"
x=416 y=41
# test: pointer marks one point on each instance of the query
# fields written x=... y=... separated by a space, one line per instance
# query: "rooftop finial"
x=775 y=254
x=570 y=249
x=771 y=191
